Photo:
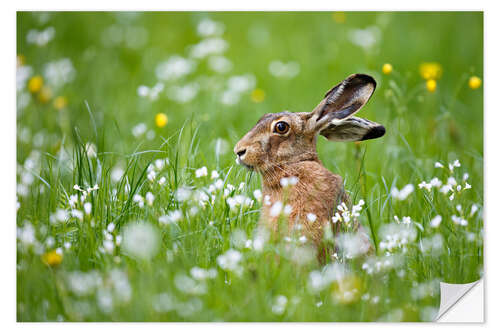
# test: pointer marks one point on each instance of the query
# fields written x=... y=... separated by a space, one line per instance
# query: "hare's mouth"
x=240 y=162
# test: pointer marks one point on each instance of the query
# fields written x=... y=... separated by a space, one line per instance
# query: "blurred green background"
x=90 y=78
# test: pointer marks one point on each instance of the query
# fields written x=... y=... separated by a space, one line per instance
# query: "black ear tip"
x=374 y=133
x=366 y=79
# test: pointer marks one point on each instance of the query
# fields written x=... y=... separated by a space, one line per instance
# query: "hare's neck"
x=271 y=178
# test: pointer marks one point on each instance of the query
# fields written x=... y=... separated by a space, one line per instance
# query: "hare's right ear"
x=342 y=101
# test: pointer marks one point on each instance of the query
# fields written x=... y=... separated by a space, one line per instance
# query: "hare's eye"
x=281 y=127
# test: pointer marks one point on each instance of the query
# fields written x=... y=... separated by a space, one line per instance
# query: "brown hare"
x=283 y=146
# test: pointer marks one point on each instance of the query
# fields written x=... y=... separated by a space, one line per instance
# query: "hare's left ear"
x=343 y=101
x=353 y=129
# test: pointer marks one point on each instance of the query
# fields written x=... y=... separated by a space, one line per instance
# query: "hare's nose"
x=241 y=152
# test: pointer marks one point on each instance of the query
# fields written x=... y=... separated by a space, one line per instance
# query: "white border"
x=7 y=173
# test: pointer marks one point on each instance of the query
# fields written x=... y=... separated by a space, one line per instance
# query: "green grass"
x=99 y=280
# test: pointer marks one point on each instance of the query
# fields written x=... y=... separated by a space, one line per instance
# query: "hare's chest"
x=309 y=202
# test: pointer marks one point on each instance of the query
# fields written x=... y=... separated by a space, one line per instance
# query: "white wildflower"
x=220 y=64
x=279 y=305
x=40 y=38
x=183 y=194
x=188 y=285
x=207 y=28
x=140 y=240
x=137 y=198
x=257 y=194
x=425 y=185
x=284 y=70
x=473 y=209
x=436 y=221
x=289 y=181
x=311 y=217
x=150 y=198
x=183 y=94
x=230 y=261
x=241 y=83
x=77 y=214
x=87 y=207
x=230 y=97
x=174 y=68
x=208 y=46
x=201 y=172
x=287 y=210
x=59 y=72
x=435 y=182
x=73 y=200
x=403 y=193
x=214 y=174
x=365 y=38
x=219 y=183
x=438 y=165
x=26 y=235
x=110 y=227
x=139 y=130
x=276 y=209
x=117 y=174
x=396 y=235
x=353 y=245
x=445 y=189
x=319 y=280
x=172 y=217
x=452 y=181
x=201 y=274
x=455 y=164
x=459 y=220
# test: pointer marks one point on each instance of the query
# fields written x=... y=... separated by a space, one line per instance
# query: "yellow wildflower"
x=431 y=70
x=387 y=69
x=45 y=94
x=347 y=290
x=339 y=17
x=258 y=95
x=474 y=82
x=60 y=102
x=52 y=258
x=431 y=85
x=161 y=120
x=35 y=84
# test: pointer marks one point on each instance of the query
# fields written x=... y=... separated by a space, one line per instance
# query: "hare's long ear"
x=343 y=101
x=353 y=129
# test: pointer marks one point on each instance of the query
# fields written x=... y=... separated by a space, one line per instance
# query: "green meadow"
x=130 y=206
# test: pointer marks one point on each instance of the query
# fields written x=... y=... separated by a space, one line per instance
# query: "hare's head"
x=285 y=137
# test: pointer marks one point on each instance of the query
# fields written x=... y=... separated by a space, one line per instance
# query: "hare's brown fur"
x=278 y=154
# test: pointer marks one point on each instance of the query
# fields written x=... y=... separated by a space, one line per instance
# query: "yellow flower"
x=339 y=17
x=258 y=95
x=431 y=70
x=387 y=69
x=35 y=84
x=347 y=290
x=45 y=94
x=52 y=258
x=60 y=102
x=161 y=120
x=474 y=82
x=431 y=85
